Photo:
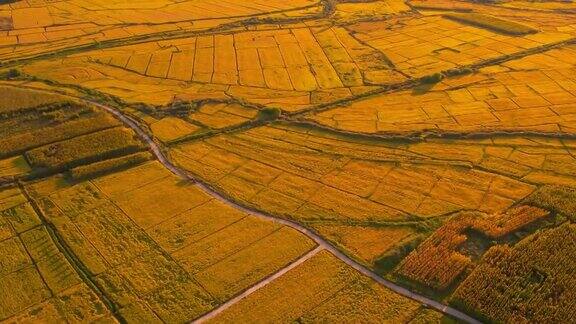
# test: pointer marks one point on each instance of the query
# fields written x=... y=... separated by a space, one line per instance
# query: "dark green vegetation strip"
x=84 y=149
x=25 y=129
x=492 y=23
x=98 y=169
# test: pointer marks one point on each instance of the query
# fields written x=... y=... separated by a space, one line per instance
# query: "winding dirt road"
x=322 y=243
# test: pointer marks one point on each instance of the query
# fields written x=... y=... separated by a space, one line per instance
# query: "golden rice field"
x=535 y=93
x=310 y=161
x=321 y=289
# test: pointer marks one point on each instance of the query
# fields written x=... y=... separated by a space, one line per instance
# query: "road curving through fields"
x=322 y=243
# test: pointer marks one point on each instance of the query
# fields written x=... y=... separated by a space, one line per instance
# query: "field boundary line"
x=77 y=265
x=322 y=243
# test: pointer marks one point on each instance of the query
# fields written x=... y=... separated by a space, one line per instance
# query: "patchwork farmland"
x=334 y=161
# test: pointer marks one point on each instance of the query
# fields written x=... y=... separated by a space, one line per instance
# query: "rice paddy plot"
x=322 y=288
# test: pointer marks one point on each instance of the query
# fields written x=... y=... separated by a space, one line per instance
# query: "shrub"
x=432 y=79
x=13 y=74
x=269 y=114
x=459 y=72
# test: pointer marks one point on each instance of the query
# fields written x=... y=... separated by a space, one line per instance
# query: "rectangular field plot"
x=20 y=290
x=391 y=193
x=223 y=115
x=92 y=147
x=426 y=45
x=187 y=228
x=38 y=282
x=171 y=128
x=13 y=166
x=222 y=244
x=268 y=66
x=535 y=93
x=162 y=262
x=156 y=202
x=250 y=265
x=322 y=287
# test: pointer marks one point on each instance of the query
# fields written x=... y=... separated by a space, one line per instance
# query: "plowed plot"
x=328 y=181
x=532 y=281
x=427 y=45
x=321 y=289
x=150 y=258
x=536 y=93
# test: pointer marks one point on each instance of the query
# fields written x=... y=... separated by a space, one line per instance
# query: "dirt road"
x=322 y=244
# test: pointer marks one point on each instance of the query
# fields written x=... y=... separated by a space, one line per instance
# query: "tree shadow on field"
x=184 y=183
x=427 y=83
x=422 y=89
